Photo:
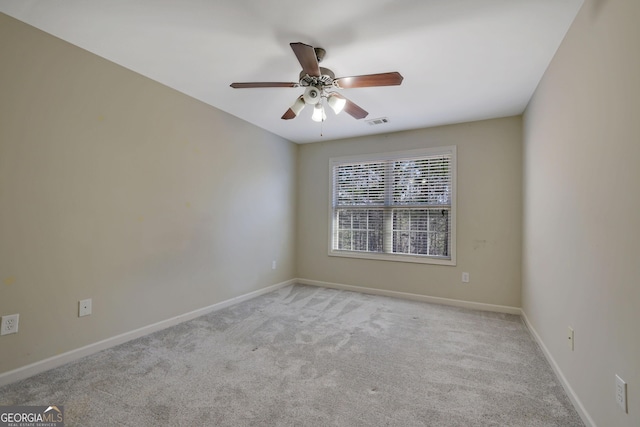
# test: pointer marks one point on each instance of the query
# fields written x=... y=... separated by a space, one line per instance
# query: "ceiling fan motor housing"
x=320 y=53
x=312 y=95
x=325 y=79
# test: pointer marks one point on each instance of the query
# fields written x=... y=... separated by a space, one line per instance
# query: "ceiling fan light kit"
x=312 y=95
x=320 y=83
x=318 y=113
x=336 y=103
x=298 y=105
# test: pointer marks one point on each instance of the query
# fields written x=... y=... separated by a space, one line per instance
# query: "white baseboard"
x=586 y=418
x=61 y=359
x=415 y=297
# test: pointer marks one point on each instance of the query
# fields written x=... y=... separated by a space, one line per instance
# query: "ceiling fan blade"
x=262 y=84
x=289 y=114
x=353 y=109
x=307 y=57
x=369 y=80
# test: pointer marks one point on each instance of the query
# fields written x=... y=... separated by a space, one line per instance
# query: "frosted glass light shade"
x=336 y=103
x=318 y=113
x=298 y=106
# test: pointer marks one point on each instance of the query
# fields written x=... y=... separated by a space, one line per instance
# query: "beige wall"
x=116 y=188
x=489 y=215
x=581 y=260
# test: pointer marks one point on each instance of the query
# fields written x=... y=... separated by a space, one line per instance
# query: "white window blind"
x=398 y=204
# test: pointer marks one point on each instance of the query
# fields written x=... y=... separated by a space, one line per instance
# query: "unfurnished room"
x=340 y=213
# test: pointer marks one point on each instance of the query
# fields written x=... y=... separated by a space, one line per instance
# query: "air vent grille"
x=378 y=121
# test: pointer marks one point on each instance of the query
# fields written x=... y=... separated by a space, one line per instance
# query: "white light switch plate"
x=84 y=307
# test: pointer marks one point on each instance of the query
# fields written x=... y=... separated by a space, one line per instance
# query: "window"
x=395 y=206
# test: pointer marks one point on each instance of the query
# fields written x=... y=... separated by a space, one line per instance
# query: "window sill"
x=419 y=259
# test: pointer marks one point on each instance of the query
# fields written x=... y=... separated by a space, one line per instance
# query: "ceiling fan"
x=320 y=83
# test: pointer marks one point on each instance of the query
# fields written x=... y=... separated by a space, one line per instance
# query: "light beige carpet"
x=307 y=356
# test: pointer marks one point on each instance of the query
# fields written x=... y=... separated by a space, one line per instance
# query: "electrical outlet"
x=9 y=324
x=273 y=264
x=570 y=337
x=621 y=393
x=84 y=307
x=465 y=277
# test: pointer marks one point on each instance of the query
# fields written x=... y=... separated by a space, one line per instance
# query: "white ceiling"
x=462 y=60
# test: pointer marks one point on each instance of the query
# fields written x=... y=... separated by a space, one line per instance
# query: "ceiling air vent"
x=380 y=121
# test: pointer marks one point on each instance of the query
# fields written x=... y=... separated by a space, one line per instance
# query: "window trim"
x=397 y=155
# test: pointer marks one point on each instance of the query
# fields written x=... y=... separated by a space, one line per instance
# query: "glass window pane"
x=419 y=243
x=360 y=220
x=426 y=180
x=359 y=240
x=401 y=219
x=344 y=240
x=344 y=218
x=401 y=242
x=359 y=184
x=421 y=231
x=360 y=230
x=375 y=243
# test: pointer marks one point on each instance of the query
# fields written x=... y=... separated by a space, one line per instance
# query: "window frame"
x=390 y=156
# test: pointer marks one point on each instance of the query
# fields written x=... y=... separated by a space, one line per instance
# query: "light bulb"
x=336 y=102
x=318 y=113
